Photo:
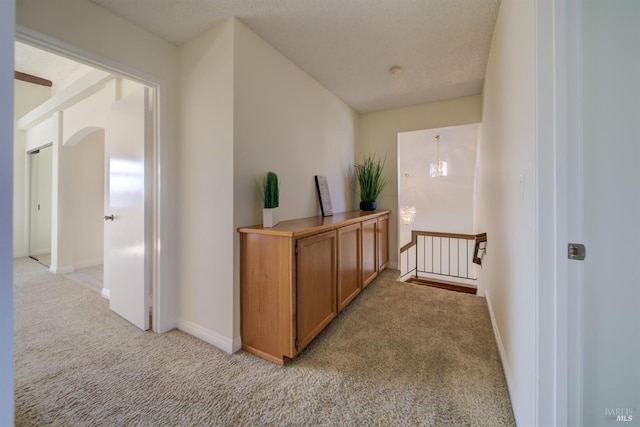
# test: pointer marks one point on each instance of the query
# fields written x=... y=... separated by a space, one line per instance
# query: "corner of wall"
x=205 y=155
x=61 y=269
x=227 y=345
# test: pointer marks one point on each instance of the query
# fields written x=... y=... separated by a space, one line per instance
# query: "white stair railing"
x=442 y=256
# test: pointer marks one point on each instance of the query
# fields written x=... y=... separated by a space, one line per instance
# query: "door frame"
x=152 y=216
x=557 y=211
x=570 y=213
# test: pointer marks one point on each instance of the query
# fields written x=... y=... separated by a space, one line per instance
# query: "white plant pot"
x=269 y=217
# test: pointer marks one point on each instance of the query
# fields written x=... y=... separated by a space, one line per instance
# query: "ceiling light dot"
x=396 y=69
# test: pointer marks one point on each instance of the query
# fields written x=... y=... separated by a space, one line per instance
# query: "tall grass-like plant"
x=370 y=178
x=271 y=196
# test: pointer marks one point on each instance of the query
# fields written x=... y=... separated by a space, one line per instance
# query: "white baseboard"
x=392 y=265
x=470 y=282
x=65 y=269
x=406 y=276
x=166 y=327
x=237 y=344
x=89 y=263
x=503 y=354
x=20 y=254
x=106 y=293
x=209 y=336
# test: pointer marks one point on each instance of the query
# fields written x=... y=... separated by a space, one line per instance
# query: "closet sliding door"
x=40 y=172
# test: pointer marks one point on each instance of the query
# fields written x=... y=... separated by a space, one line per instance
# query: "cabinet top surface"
x=314 y=224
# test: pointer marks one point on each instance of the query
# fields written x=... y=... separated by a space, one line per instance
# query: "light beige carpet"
x=92 y=277
x=400 y=354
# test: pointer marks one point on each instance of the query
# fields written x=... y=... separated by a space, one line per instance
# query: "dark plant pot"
x=368 y=206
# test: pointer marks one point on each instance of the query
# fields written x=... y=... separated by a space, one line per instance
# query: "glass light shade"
x=438 y=169
x=408 y=214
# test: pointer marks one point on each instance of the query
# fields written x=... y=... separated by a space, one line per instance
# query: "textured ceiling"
x=349 y=45
x=61 y=71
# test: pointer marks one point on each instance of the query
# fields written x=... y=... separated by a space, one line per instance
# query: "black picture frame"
x=323 y=195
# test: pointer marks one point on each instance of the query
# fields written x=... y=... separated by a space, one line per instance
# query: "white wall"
x=83 y=139
x=71 y=25
x=91 y=111
x=379 y=134
x=79 y=183
x=78 y=173
x=40 y=135
x=50 y=131
x=206 y=186
x=443 y=204
x=27 y=97
x=504 y=210
x=285 y=121
x=20 y=203
x=88 y=201
x=6 y=201
x=78 y=72
x=246 y=109
x=62 y=193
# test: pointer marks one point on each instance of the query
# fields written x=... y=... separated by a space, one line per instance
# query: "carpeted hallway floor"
x=400 y=354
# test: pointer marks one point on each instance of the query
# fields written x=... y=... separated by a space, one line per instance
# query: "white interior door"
x=606 y=296
x=126 y=274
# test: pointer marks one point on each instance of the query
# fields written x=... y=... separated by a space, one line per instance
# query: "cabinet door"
x=266 y=293
x=369 y=251
x=383 y=242
x=316 y=285
x=349 y=282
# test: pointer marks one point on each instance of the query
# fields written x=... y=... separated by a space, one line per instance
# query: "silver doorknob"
x=108 y=217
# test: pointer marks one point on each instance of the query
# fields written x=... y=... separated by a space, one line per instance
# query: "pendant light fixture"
x=439 y=168
x=407 y=212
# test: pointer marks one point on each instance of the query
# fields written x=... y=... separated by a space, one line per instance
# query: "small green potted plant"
x=271 y=200
x=370 y=180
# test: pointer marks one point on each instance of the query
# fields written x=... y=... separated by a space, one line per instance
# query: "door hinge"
x=296 y=343
x=296 y=250
x=577 y=251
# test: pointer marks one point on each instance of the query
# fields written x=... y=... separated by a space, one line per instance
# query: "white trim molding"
x=163 y=288
x=503 y=355
x=558 y=111
x=209 y=336
x=65 y=269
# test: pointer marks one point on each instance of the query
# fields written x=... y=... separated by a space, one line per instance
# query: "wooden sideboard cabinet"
x=383 y=242
x=296 y=277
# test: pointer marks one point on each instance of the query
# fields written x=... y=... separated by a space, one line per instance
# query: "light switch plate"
x=521 y=187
